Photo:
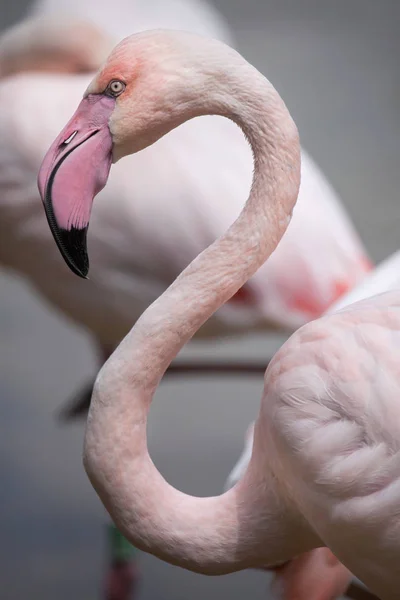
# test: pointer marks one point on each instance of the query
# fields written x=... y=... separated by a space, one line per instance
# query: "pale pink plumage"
x=324 y=467
x=323 y=575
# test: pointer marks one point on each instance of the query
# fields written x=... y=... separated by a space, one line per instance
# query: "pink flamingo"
x=318 y=573
x=135 y=256
x=316 y=264
x=316 y=468
x=71 y=46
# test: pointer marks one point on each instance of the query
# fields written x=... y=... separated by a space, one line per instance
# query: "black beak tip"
x=81 y=272
x=73 y=248
x=72 y=245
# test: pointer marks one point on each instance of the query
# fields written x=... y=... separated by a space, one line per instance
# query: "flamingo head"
x=76 y=167
x=151 y=83
x=143 y=91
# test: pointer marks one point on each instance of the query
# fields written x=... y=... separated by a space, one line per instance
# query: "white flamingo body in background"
x=324 y=467
x=136 y=258
x=199 y=177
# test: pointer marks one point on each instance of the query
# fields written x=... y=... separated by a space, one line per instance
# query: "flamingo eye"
x=115 y=88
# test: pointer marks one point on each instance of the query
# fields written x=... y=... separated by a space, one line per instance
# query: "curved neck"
x=221 y=534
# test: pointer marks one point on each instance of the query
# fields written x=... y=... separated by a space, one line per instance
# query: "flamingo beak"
x=74 y=170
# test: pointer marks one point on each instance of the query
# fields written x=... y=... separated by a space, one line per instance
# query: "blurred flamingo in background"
x=199 y=177
x=315 y=473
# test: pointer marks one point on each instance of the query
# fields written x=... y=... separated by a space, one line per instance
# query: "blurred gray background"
x=337 y=66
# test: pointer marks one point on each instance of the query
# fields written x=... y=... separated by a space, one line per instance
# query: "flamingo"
x=318 y=572
x=323 y=470
x=136 y=256
x=43 y=63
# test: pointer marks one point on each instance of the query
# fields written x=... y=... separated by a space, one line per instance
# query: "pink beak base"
x=74 y=170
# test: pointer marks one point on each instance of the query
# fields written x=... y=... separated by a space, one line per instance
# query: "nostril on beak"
x=69 y=138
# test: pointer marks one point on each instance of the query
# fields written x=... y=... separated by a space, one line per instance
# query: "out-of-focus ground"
x=336 y=65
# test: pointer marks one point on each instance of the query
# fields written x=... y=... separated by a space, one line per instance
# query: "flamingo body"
x=385 y=277
x=135 y=255
x=320 y=573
